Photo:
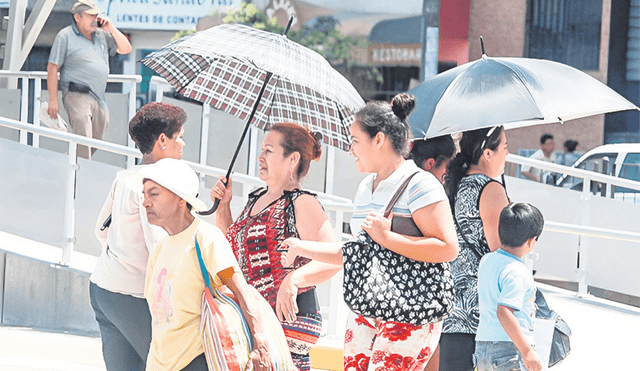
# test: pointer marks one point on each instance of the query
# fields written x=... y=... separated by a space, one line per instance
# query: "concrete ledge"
x=37 y=292
x=45 y=295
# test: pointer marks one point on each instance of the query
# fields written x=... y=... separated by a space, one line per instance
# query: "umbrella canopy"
x=260 y=76
x=513 y=92
x=228 y=65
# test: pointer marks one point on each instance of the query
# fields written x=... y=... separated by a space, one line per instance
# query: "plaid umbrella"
x=237 y=69
x=260 y=76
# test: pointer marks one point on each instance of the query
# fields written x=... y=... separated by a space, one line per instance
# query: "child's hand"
x=531 y=360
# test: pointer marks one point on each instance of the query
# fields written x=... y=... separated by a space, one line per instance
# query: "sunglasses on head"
x=487 y=136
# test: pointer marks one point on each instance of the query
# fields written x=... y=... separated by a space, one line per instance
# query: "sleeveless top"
x=465 y=315
x=255 y=241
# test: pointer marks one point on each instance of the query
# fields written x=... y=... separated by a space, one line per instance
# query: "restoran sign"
x=171 y=15
x=394 y=54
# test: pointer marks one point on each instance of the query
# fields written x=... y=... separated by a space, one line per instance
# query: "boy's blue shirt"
x=503 y=279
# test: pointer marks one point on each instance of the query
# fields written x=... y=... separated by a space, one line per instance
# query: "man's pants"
x=125 y=328
x=86 y=117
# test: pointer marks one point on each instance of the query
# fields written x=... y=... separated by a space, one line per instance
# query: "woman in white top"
x=380 y=136
x=117 y=283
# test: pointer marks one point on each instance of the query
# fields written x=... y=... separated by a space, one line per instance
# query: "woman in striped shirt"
x=380 y=135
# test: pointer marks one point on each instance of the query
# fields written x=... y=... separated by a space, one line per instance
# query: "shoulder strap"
x=258 y=192
x=203 y=268
x=471 y=247
x=398 y=193
x=504 y=185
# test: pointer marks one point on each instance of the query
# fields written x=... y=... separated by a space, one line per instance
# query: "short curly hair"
x=154 y=119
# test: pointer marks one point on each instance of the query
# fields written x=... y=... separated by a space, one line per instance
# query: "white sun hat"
x=174 y=175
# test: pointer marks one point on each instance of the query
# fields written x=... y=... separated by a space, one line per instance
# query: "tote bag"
x=379 y=283
x=555 y=340
x=226 y=335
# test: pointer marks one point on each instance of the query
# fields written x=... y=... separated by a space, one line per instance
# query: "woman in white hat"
x=174 y=281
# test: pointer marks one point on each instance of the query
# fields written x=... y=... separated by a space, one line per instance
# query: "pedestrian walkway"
x=603 y=339
x=604 y=332
x=25 y=349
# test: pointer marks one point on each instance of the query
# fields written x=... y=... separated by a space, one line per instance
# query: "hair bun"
x=317 y=136
x=403 y=104
x=317 y=149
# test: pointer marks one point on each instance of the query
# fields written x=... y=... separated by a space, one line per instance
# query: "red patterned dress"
x=255 y=241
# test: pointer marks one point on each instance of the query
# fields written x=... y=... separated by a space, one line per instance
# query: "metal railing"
x=335 y=205
x=37 y=76
x=588 y=176
x=588 y=231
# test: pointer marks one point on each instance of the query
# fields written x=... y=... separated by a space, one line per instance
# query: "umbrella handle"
x=213 y=208
x=216 y=203
x=244 y=134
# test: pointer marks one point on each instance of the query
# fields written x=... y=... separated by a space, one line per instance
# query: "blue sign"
x=162 y=14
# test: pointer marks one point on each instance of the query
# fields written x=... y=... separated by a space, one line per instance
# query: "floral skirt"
x=372 y=345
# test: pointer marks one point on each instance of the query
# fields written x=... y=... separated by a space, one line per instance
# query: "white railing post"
x=583 y=286
x=204 y=140
x=131 y=160
x=529 y=259
x=335 y=286
x=24 y=107
x=246 y=189
x=159 y=92
x=330 y=169
x=253 y=151
x=37 y=91
x=70 y=205
x=204 y=134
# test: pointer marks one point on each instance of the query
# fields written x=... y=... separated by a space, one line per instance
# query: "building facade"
x=600 y=37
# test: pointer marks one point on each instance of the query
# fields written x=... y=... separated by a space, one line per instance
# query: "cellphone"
x=100 y=22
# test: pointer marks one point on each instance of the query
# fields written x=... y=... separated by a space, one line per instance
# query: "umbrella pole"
x=244 y=134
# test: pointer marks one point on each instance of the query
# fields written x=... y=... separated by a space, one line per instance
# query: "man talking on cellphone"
x=81 y=52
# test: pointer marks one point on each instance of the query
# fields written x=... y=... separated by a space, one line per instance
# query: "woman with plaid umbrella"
x=272 y=214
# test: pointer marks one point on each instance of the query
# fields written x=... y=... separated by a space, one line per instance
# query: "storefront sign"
x=394 y=54
x=162 y=14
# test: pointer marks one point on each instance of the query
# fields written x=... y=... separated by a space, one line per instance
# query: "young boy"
x=507 y=293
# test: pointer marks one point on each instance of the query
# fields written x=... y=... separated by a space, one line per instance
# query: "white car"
x=620 y=160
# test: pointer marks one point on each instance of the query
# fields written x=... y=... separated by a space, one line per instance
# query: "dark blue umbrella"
x=513 y=92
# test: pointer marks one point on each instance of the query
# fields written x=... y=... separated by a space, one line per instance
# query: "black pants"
x=456 y=351
x=125 y=328
x=198 y=364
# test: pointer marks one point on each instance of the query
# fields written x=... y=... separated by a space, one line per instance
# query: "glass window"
x=601 y=163
x=630 y=169
x=566 y=31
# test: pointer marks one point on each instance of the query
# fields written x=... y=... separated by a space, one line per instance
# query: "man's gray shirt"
x=82 y=61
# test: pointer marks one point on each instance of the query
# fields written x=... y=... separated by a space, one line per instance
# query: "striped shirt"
x=424 y=189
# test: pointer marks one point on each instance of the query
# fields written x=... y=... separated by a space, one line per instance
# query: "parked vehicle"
x=619 y=160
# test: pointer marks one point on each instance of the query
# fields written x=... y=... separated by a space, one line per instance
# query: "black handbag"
x=560 y=345
x=381 y=284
